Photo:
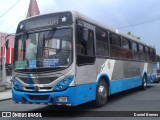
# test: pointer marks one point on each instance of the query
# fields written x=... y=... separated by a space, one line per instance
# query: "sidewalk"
x=7 y=94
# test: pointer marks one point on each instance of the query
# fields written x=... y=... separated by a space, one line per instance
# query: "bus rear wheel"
x=101 y=93
x=144 y=83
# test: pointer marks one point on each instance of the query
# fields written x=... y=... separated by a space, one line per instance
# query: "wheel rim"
x=144 y=82
x=102 y=92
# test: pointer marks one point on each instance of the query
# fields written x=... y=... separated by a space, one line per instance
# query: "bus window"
x=147 y=53
x=115 y=47
x=19 y=56
x=90 y=44
x=81 y=45
x=102 y=43
x=142 y=54
x=135 y=51
x=85 y=46
x=152 y=55
x=127 y=53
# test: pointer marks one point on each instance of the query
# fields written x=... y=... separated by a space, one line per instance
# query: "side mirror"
x=7 y=42
x=58 y=44
x=85 y=34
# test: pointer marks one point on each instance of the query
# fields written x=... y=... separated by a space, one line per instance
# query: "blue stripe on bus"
x=122 y=85
x=85 y=93
x=76 y=95
x=79 y=94
x=19 y=96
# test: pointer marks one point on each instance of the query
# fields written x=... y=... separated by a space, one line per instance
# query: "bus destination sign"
x=48 y=20
x=42 y=23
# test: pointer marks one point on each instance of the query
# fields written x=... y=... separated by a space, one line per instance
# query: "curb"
x=5 y=99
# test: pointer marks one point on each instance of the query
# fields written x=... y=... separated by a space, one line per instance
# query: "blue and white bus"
x=66 y=58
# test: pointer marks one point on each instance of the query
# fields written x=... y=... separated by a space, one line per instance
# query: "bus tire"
x=144 y=83
x=101 y=93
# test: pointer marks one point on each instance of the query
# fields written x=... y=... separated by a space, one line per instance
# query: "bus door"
x=86 y=68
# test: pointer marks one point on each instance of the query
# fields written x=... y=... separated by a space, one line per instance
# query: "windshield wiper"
x=41 y=45
x=51 y=33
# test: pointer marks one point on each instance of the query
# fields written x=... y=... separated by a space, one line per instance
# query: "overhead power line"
x=139 y=23
x=9 y=8
x=15 y=23
x=18 y=19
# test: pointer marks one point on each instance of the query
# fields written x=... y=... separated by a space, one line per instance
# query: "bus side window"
x=85 y=45
x=85 y=42
x=152 y=55
x=90 y=43
x=147 y=53
x=126 y=49
x=115 y=46
x=141 y=51
x=135 y=51
x=79 y=39
x=102 y=48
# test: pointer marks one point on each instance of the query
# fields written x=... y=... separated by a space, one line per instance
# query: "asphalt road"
x=133 y=100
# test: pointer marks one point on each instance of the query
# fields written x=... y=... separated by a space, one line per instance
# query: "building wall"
x=9 y=53
x=2 y=40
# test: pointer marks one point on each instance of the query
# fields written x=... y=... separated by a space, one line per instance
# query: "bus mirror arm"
x=85 y=34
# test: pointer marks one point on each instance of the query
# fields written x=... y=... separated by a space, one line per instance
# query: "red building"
x=9 y=53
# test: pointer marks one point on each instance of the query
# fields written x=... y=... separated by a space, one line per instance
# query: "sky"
x=114 y=13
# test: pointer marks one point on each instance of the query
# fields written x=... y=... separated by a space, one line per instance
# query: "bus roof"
x=92 y=21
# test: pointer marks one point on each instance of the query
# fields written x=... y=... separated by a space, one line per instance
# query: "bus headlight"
x=64 y=83
x=16 y=85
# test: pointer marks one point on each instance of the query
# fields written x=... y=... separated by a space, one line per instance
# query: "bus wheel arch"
x=102 y=91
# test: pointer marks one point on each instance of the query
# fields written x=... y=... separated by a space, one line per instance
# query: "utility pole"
x=2 y=67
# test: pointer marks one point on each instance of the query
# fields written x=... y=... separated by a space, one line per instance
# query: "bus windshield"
x=45 y=49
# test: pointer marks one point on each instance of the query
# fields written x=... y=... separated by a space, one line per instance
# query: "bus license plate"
x=62 y=99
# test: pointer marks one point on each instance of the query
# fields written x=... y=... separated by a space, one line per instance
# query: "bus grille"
x=38 y=97
x=41 y=88
x=38 y=80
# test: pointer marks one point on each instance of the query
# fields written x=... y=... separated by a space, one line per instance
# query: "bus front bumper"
x=66 y=98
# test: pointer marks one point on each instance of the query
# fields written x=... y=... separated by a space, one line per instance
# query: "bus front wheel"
x=101 y=93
